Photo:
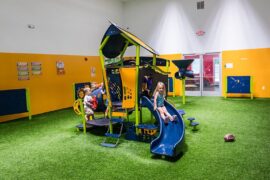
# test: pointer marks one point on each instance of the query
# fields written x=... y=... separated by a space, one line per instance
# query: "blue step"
x=113 y=135
x=108 y=145
x=191 y=118
x=181 y=111
x=194 y=124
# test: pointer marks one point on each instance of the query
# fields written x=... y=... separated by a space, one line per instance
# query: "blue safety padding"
x=170 y=87
x=79 y=86
x=13 y=101
x=238 y=84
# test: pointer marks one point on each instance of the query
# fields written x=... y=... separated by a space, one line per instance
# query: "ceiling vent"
x=200 y=4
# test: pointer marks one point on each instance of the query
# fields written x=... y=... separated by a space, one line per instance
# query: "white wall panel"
x=61 y=26
x=170 y=26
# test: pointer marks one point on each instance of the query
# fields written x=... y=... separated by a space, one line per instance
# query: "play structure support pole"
x=124 y=50
x=28 y=104
x=226 y=88
x=73 y=89
x=251 y=87
x=167 y=69
x=102 y=60
x=129 y=40
x=184 y=91
x=137 y=87
x=137 y=115
x=83 y=116
x=173 y=80
x=154 y=60
x=167 y=66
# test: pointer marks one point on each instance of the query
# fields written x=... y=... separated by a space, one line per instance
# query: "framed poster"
x=23 y=71
x=36 y=68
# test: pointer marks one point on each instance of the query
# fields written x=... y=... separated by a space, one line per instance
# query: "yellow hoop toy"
x=76 y=107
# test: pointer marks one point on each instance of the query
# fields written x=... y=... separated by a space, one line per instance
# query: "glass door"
x=193 y=85
x=207 y=75
x=211 y=74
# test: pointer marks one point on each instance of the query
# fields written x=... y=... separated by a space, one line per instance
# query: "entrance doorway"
x=207 y=75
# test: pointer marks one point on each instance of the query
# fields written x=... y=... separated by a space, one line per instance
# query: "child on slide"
x=159 y=96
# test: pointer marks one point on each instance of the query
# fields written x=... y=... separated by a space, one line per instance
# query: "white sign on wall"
x=229 y=65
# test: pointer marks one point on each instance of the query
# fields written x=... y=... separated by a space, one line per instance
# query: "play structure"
x=124 y=82
x=129 y=86
x=182 y=73
x=239 y=85
x=15 y=101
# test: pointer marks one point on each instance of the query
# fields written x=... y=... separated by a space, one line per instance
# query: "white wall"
x=61 y=26
x=170 y=26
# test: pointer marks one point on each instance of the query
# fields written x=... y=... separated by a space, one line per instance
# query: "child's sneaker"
x=174 y=117
x=166 y=120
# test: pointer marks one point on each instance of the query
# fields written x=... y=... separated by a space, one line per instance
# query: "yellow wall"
x=49 y=91
x=252 y=62
x=173 y=69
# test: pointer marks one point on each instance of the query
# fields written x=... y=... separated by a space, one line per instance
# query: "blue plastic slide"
x=171 y=135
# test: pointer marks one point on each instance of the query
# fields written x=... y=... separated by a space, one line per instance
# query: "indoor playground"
x=132 y=89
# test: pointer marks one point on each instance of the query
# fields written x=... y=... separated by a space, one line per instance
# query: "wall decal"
x=23 y=71
x=93 y=71
x=60 y=66
x=36 y=68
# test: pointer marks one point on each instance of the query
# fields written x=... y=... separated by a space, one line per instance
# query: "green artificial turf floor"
x=49 y=147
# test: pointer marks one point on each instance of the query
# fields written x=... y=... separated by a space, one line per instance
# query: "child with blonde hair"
x=87 y=103
x=159 y=96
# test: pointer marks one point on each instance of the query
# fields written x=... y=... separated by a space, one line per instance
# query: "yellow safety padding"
x=119 y=114
x=128 y=76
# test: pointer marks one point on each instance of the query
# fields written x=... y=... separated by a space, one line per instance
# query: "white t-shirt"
x=87 y=101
